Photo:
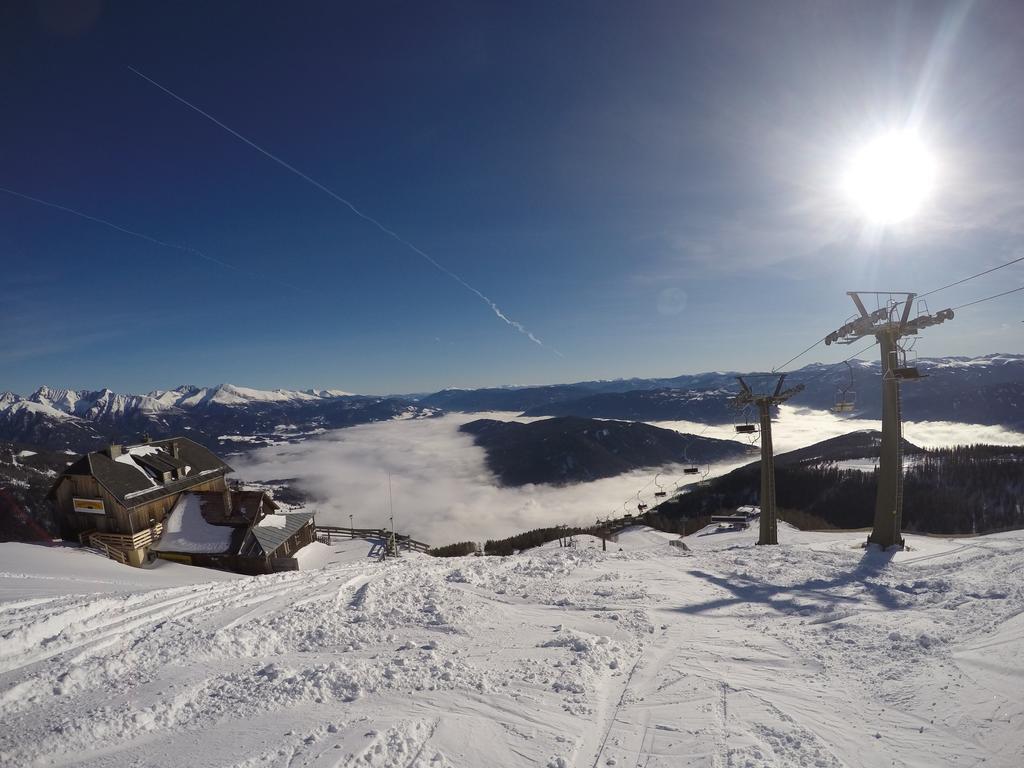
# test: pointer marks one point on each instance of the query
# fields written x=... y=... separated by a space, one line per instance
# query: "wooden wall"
x=117 y=519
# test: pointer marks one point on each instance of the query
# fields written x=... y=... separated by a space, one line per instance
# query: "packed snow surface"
x=812 y=653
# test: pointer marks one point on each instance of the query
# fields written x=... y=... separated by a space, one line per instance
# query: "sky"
x=472 y=194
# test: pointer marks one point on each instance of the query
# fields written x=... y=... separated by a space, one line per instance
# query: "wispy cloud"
x=501 y=315
x=150 y=239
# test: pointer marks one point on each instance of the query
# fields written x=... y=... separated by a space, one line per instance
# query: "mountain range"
x=81 y=420
x=980 y=390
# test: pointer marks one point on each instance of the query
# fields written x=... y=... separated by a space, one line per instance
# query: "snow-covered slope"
x=812 y=653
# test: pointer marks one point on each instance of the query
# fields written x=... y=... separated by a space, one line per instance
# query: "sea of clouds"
x=442 y=491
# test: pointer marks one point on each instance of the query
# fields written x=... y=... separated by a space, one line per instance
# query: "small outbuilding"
x=242 y=531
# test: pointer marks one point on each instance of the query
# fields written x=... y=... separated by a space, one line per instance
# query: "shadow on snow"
x=816 y=595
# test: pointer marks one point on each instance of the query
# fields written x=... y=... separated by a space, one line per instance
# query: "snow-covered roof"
x=274 y=530
x=187 y=531
x=138 y=473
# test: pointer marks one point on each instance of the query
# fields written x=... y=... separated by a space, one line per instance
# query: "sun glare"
x=890 y=178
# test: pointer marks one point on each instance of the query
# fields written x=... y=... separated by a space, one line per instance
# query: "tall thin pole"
x=889 y=498
x=769 y=515
x=391 y=511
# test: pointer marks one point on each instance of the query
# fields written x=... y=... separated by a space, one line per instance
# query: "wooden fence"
x=327 y=533
x=116 y=546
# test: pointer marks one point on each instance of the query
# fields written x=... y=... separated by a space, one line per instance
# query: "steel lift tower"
x=764 y=403
x=889 y=324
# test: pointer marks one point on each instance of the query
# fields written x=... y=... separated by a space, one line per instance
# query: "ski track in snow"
x=812 y=653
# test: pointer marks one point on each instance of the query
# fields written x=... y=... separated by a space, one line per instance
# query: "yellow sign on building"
x=91 y=506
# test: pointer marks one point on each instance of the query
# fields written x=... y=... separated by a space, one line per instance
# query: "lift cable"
x=989 y=298
x=980 y=274
x=797 y=357
x=777 y=368
x=827 y=370
x=873 y=343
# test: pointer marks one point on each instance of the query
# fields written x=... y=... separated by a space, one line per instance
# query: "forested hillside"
x=968 y=489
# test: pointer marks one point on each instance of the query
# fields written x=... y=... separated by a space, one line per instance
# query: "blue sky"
x=649 y=188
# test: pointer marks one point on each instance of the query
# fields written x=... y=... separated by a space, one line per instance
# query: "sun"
x=890 y=178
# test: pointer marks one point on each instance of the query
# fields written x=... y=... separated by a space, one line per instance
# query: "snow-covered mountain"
x=107 y=403
x=979 y=390
x=225 y=414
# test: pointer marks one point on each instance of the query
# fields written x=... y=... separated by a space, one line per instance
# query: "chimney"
x=174 y=449
x=114 y=450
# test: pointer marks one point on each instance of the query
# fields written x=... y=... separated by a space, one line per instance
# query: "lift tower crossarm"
x=883 y=320
x=769 y=533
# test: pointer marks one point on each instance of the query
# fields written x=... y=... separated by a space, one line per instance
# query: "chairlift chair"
x=900 y=369
x=661 y=492
x=703 y=482
x=846 y=397
x=641 y=506
x=845 y=403
x=907 y=373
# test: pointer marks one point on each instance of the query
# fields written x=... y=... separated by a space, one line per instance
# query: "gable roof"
x=274 y=530
x=137 y=476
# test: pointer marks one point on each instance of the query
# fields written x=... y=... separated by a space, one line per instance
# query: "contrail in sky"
x=366 y=217
x=141 y=236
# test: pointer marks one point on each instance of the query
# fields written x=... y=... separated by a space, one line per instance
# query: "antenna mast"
x=392 y=543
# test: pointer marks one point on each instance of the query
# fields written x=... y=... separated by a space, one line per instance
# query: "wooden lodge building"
x=131 y=500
